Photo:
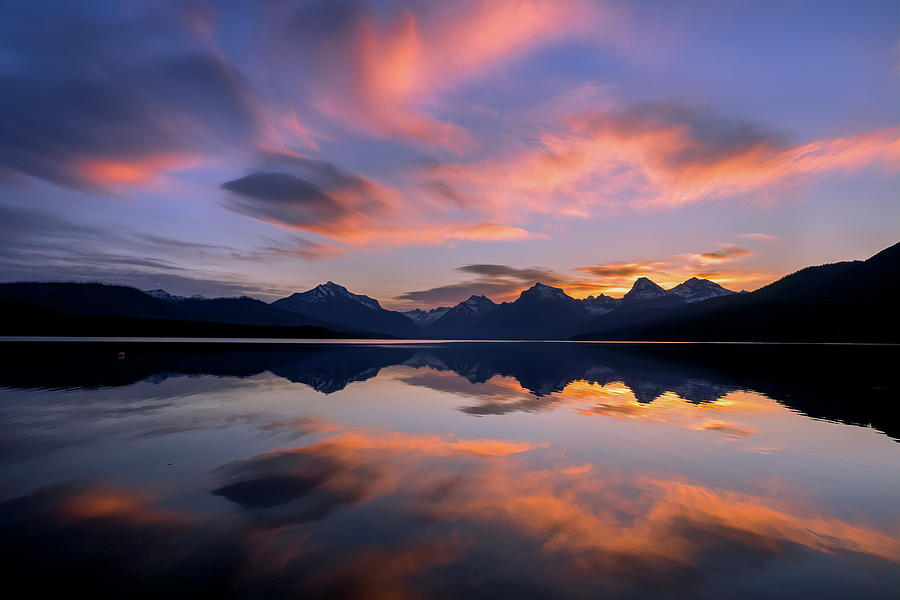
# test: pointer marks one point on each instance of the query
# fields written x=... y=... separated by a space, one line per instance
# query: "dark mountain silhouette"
x=644 y=300
x=843 y=302
x=852 y=301
x=462 y=318
x=850 y=384
x=643 y=289
x=98 y=309
x=696 y=289
x=334 y=303
x=540 y=312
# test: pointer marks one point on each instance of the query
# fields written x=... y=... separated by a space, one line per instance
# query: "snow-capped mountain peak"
x=644 y=289
x=540 y=291
x=161 y=294
x=326 y=291
x=329 y=288
x=479 y=304
x=697 y=290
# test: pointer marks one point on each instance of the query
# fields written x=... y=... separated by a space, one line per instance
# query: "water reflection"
x=449 y=471
x=851 y=384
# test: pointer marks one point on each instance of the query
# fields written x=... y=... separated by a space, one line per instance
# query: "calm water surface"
x=450 y=470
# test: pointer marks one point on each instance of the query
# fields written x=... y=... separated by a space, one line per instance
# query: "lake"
x=450 y=470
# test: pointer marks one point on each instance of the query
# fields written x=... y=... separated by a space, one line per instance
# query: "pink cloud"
x=375 y=71
x=139 y=171
x=655 y=156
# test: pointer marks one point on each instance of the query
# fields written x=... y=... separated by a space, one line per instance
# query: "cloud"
x=317 y=196
x=94 y=103
x=326 y=200
x=374 y=67
x=457 y=292
x=686 y=155
x=620 y=269
x=653 y=155
x=297 y=248
x=44 y=247
x=722 y=255
x=757 y=236
x=726 y=254
x=532 y=275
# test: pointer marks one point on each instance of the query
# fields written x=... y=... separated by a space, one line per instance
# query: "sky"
x=420 y=152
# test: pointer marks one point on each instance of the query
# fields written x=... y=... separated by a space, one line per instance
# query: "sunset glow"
x=390 y=146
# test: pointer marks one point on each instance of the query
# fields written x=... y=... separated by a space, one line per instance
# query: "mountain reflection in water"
x=450 y=470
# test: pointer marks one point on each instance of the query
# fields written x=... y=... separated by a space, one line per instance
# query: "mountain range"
x=846 y=301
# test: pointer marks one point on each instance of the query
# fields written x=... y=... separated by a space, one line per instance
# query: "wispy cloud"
x=620 y=269
x=373 y=68
x=654 y=155
x=319 y=197
x=41 y=246
x=725 y=254
x=95 y=105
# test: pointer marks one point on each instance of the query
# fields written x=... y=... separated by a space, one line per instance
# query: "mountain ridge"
x=843 y=301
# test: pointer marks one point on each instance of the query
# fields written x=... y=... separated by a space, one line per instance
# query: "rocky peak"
x=644 y=289
x=540 y=291
x=696 y=289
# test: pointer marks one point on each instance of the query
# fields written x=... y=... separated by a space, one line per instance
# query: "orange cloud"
x=140 y=171
x=683 y=165
x=424 y=234
x=366 y=232
x=621 y=269
x=722 y=255
x=654 y=156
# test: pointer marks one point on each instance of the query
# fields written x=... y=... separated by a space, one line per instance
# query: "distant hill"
x=87 y=309
x=540 y=312
x=461 y=319
x=644 y=300
x=698 y=290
